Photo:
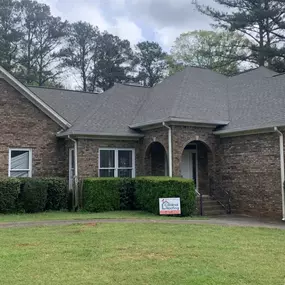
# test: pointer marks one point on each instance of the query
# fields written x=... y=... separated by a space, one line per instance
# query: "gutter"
x=75 y=191
x=281 y=143
x=169 y=148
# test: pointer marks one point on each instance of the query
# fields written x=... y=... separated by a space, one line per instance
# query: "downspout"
x=169 y=148
x=281 y=143
x=75 y=172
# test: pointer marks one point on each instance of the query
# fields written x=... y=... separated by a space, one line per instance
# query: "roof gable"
x=34 y=98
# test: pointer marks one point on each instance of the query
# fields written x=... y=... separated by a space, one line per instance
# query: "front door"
x=189 y=164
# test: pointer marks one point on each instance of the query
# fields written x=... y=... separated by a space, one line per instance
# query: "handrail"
x=227 y=204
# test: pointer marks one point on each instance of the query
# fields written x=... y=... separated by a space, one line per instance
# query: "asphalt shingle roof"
x=68 y=103
x=247 y=101
x=196 y=94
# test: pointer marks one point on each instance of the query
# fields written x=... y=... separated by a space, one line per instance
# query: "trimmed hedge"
x=9 y=192
x=101 y=194
x=150 y=189
x=110 y=194
x=57 y=194
x=32 y=194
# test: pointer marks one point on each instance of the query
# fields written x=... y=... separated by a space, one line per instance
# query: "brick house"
x=225 y=133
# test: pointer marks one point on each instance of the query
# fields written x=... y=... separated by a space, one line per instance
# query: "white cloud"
x=124 y=28
x=160 y=20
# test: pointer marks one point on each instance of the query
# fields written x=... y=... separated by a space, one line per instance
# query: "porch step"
x=211 y=207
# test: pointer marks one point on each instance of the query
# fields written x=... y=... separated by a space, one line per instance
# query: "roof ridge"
x=61 y=89
x=175 y=105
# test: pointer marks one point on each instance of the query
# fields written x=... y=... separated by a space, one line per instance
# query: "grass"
x=153 y=254
x=83 y=216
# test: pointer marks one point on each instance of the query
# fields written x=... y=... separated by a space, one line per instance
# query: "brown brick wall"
x=249 y=167
x=25 y=126
x=88 y=155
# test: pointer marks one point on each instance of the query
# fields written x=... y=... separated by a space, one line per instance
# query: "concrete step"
x=218 y=212
x=211 y=207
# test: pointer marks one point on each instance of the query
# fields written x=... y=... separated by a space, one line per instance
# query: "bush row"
x=111 y=194
x=32 y=195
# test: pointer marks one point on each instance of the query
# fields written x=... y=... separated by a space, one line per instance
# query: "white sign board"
x=169 y=206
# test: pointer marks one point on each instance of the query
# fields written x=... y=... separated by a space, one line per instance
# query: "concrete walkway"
x=221 y=221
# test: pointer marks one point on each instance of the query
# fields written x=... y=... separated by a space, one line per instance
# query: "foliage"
x=261 y=21
x=101 y=194
x=127 y=194
x=150 y=189
x=110 y=194
x=9 y=191
x=111 y=62
x=149 y=63
x=10 y=33
x=81 y=46
x=34 y=195
x=218 y=51
x=42 y=34
x=57 y=193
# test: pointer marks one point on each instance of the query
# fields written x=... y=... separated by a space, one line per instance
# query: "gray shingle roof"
x=195 y=94
x=250 y=100
x=256 y=103
x=112 y=113
x=70 y=104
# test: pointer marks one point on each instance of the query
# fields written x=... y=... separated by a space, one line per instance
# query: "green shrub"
x=127 y=194
x=150 y=189
x=33 y=197
x=57 y=194
x=101 y=194
x=9 y=191
x=111 y=194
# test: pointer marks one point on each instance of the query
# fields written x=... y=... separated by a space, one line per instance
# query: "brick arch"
x=183 y=135
x=209 y=148
x=155 y=160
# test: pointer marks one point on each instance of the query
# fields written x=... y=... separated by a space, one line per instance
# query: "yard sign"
x=169 y=206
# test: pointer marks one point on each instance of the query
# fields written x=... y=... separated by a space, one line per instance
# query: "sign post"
x=169 y=206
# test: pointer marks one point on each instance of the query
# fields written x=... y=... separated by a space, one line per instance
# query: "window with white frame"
x=116 y=162
x=20 y=163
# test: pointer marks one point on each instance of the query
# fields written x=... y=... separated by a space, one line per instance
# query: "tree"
x=149 y=63
x=43 y=34
x=9 y=33
x=81 y=46
x=262 y=21
x=219 y=51
x=110 y=63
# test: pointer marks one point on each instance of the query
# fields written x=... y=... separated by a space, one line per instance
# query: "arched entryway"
x=156 y=160
x=196 y=164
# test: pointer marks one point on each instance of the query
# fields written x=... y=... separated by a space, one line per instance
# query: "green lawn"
x=84 y=216
x=139 y=254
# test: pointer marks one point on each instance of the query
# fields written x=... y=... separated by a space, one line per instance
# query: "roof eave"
x=248 y=131
x=178 y=120
x=99 y=135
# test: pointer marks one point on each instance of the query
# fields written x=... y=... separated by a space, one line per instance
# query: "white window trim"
x=19 y=170
x=116 y=168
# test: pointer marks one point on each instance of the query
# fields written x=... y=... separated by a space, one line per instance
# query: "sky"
x=136 y=20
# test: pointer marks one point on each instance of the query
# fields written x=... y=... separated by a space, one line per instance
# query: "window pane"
x=125 y=173
x=125 y=158
x=19 y=174
x=19 y=159
x=107 y=172
x=107 y=158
